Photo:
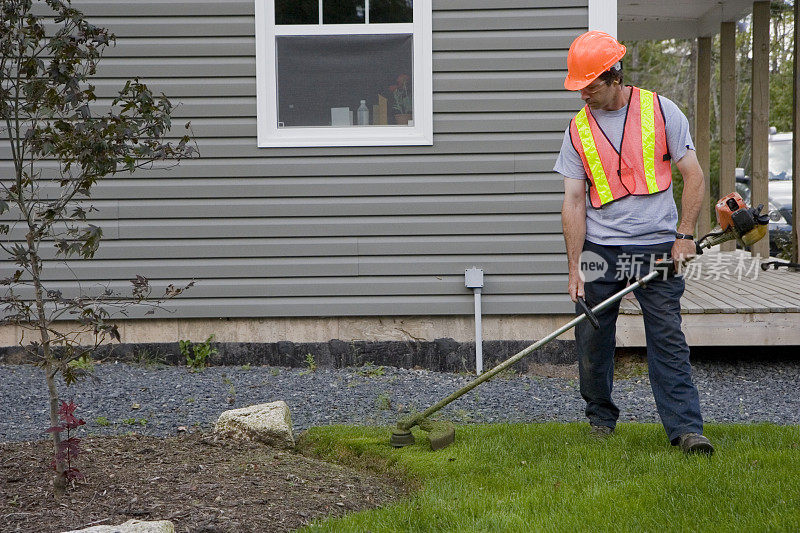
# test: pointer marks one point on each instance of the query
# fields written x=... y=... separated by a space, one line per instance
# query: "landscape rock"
x=131 y=526
x=268 y=423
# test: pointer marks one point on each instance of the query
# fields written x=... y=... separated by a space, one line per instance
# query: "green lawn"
x=554 y=477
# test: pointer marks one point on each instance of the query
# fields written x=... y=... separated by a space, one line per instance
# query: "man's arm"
x=691 y=203
x=573 y=220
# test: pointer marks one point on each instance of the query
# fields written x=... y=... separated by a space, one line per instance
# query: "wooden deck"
x=728 y=297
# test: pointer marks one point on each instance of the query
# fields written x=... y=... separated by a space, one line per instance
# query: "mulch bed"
x=198 y=484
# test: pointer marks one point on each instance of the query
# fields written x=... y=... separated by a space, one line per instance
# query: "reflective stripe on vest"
x=592 y=157
x=648 y=139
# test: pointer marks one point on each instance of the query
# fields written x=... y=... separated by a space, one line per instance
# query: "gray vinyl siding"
x=342 y=231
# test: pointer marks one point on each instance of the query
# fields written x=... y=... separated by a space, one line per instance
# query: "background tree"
x=781 y=58
x=61 y=145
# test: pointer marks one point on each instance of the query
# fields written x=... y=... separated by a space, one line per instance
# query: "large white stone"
x=131 y=526
x=270 y=423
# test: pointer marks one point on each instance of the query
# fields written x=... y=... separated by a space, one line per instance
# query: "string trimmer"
x=736 y=221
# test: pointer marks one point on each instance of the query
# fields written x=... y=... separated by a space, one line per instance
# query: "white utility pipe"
x=473 y=279
x=478 y=333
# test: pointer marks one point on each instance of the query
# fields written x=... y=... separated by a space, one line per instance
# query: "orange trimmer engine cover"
x=726 y=207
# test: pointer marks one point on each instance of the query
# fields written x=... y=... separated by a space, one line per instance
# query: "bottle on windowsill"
x=363 y=114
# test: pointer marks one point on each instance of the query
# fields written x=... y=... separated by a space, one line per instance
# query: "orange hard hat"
x=591 y=54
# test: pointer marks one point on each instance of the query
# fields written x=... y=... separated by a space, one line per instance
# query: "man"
x=618 y=209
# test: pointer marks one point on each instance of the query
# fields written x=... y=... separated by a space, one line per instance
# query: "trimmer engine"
x=736 y=221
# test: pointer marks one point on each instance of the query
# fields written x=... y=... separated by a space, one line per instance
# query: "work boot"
x=695 y=443
x=600 y=432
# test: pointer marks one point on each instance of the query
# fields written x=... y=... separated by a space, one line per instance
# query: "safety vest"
x=642 y=168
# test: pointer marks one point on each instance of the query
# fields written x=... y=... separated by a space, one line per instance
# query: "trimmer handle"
x=668 y=266
x=777 y=264
x=589 y=313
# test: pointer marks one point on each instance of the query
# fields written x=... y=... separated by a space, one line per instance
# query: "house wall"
x=342 y=232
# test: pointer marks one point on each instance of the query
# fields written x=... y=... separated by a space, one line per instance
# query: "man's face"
x=598 y=94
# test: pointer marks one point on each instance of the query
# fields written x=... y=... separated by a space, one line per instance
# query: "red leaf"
x=55 y=429
x=72 y=452
x=73 y=423
x=71 y=443
x=67 y=409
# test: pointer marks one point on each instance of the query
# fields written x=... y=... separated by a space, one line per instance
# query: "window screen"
x=322 y=79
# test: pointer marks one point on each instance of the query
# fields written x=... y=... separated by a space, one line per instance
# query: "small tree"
x=60 y=148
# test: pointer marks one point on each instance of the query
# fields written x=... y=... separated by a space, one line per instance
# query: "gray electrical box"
x=473 y=278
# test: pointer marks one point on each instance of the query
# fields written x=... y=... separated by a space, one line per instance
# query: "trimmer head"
x=401 y=438
x=440 y=433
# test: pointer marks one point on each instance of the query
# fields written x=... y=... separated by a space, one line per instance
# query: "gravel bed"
x=158 y=400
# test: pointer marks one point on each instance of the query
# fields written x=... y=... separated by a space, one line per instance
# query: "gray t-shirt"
x=649 y=219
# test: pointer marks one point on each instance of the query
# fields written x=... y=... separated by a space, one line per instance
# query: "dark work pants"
x=667 y=352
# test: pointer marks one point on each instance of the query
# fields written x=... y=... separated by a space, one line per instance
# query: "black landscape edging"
x=442 y=355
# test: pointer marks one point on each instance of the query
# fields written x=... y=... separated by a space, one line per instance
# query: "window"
x=344 y=72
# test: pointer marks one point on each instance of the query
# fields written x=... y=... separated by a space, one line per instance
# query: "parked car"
x=779 y=191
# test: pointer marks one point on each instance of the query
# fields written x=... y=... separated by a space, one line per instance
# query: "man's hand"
x=576 y=286
x=682 y=251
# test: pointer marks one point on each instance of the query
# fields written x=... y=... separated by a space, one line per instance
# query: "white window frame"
x=270 y=135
